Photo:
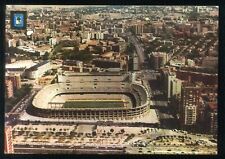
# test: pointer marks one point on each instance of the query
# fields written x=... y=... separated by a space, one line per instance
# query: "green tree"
x=94 y=133
x=194 y=15
x=45 y=56
x=112 y=130
x=130 y=49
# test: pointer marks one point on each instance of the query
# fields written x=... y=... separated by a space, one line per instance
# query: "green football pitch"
x=94 y=104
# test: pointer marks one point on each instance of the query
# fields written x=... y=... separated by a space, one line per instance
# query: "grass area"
x=94 y=104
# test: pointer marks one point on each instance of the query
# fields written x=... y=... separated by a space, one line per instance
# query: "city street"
x=19 y=108
x=140 y=51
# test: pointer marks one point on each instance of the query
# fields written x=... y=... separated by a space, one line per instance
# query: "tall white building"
x=12 y=43
x=171 y=83
x=138 y=28
x=53 y=41
x=97 y=35
x=190 y=101
x=135 y=63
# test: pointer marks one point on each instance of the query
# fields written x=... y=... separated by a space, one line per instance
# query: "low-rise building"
x=210 y=62
x=207 y=79
x=43 y=81
x=106 y=63
x=37 y=70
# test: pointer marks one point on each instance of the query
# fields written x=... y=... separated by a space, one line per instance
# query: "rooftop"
x=35 y=67
x=213 y=105
x=20 y=64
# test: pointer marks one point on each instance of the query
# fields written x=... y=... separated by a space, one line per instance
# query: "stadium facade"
x=92 y=97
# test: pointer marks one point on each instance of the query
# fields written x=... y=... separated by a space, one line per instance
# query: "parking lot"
x=135 y=140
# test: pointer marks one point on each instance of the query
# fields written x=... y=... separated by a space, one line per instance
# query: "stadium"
x=92 y=97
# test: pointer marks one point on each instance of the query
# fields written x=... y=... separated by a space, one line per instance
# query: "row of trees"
x=130 y=49
x=23 y=55
x=67 y=43
x=75 y=54
x=193 y=54
x=72 y=133
x=83 y=55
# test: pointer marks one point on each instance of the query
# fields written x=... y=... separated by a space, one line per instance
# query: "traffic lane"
x=18 y=104
x=139 y=49
x=64 y=149
x=82 y=146
x=12 y=117
x=22 y=102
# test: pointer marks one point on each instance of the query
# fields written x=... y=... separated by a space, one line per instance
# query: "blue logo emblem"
x=18 y=20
